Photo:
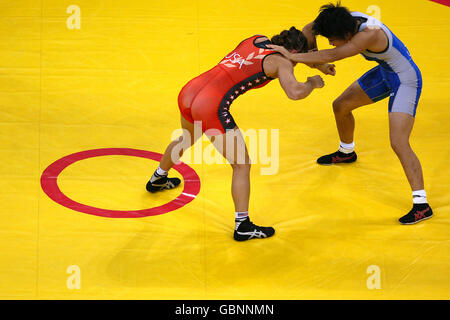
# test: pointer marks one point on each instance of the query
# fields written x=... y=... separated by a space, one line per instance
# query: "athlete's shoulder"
x=261 y=42
x=249 y=41
x=260 y=39
x=367 y=21
x=276 y=62
x=257 y=36
x=365 y=37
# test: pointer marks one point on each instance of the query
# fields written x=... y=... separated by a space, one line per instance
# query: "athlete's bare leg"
x=232 y=146
x=353 y=97
x=174 y=151
x=400 y=127
x=182 y=143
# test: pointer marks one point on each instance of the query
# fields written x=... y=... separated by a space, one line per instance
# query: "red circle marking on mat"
x=50 y=175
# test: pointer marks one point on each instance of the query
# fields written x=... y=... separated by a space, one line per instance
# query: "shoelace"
x=169 y=185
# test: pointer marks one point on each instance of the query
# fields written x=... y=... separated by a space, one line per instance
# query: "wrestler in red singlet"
x=208 y=97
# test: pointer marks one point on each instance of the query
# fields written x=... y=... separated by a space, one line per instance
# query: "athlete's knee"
x=179 y=142
x=186 y=139
x=340 y=106
x=180 y=145
x=399 y=144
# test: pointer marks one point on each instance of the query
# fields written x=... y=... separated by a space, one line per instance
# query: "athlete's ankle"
x=346 y=147
x=240 y=216
x=419 y=196
x=158 y=174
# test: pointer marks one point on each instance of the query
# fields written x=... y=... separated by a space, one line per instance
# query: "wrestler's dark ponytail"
x=291 y=39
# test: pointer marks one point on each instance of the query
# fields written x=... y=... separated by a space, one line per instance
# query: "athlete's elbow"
x=302 y=95
x=301 y=91
x=292 y=95
x=298 y=94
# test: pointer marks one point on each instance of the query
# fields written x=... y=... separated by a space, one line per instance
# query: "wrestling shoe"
x=247 y=230
x=419 y=212
x=162 y=183
x=337 y=157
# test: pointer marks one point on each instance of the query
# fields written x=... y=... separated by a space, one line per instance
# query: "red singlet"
x=208 y=97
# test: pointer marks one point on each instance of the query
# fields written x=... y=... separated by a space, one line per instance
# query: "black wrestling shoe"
x=419 y=212
x=247 y=230
x=162 y=183
x=337 y=157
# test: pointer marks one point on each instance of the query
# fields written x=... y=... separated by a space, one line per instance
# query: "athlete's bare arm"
x=277 y=66
x=325 y=68
x=312 y=46
x=371 y=39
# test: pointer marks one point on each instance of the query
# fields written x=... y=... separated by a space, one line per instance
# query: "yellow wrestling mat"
x=95 y=83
